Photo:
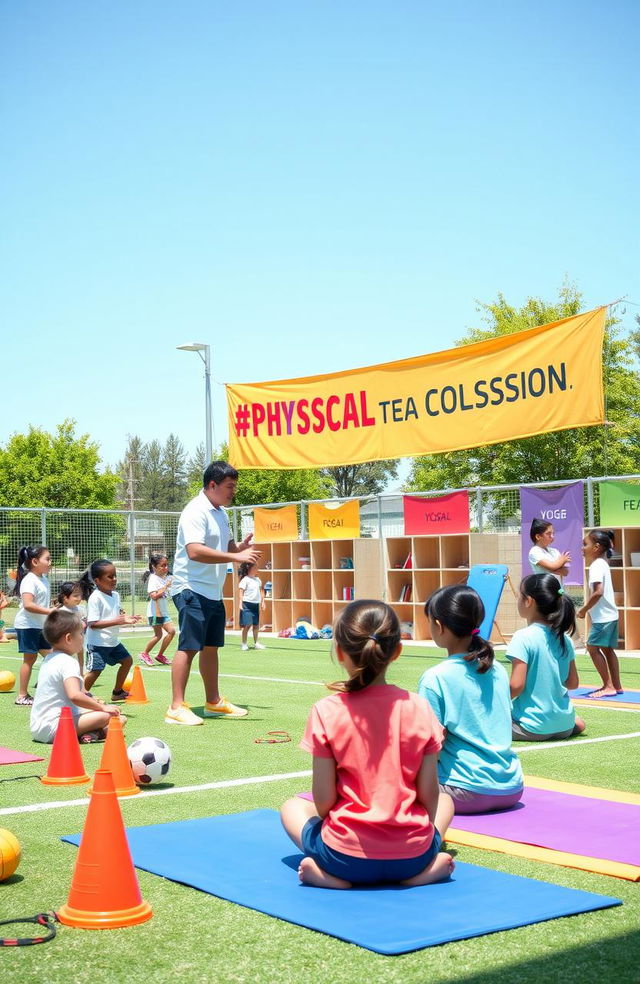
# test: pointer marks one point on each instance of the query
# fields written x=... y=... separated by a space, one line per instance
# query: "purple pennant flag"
x=564 y=508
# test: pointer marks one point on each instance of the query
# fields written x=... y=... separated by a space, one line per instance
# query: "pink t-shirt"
x=378 y=738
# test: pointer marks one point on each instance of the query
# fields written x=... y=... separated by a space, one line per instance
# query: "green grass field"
x=197 y=937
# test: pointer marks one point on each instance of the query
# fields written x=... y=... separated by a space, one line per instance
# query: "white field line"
x=575 y=743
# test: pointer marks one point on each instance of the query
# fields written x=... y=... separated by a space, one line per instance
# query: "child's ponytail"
x=26 y=555
x=154 y=560
x=369 y=633
x=554 y=605
x=459 y=608
x=605 y=540
x=87 y=582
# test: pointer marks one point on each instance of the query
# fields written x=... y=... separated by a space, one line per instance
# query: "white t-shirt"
x=605 y=609
x=159 y=606
x=39 y=588
x=102 y=607
x=250 y=587
x=200 y=522
x=51 y=697
x=540 y=553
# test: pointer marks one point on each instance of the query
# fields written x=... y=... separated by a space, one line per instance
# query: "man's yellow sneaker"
x=224 y=708
x=182 y=715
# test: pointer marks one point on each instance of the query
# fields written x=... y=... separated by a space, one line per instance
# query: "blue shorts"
x=363 y=871
x=158 y=619
x=250 y=613
x=100 y=656
x=202 y=621
x=31 y=641
x=604 y=634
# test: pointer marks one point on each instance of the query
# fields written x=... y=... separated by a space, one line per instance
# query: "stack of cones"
x=65 y=765
x=116 y=761
x=137 y=693
x=104 y=893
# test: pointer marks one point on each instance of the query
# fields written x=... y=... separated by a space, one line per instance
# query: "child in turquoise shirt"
x=469 y=694
x=543 y=663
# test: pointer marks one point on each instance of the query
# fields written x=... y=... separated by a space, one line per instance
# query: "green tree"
x=175 y=466
x=367 y=479
x=612 y=449
x=153 y=485
x=130 y=472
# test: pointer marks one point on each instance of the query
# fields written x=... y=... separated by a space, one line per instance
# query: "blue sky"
x=306 y=186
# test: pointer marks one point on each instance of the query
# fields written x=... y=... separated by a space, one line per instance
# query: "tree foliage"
x=603 y=450
x=369 y=478
x=153 y=475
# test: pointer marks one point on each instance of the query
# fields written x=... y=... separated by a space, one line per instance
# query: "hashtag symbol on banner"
x=242 y=420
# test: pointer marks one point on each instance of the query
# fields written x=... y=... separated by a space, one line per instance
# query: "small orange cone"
x=104 y=893
x=65 y=765
x=137 y=693
x=116 y=761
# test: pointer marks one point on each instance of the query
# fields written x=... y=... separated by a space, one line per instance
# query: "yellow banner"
x=544 y=379
x=275 y=524
x=337 y=523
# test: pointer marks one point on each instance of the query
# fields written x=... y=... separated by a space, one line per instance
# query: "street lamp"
x=201 y=347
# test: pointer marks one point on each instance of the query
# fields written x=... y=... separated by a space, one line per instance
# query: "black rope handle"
x=46 y=919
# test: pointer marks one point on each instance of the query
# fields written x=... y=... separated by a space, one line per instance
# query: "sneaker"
x=146 y=659
x=244 y=647
x=224 y=708
x=119 y=694
x=161 y=658
x=182 y=715
x=24 y=701
x=258 y=645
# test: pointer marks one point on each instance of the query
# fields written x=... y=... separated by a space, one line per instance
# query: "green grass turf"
x=200 y=938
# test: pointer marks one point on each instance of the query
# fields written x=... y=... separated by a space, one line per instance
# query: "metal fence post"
x=132 y=561
x=303 y=520
x=590 y=510
x=479 y=508
x=379 y=517
x=43 y=526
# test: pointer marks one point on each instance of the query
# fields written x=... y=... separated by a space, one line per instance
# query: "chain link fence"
x=76 y=537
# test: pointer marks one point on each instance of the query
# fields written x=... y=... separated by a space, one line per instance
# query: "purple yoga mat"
x=9 y=757
x=564 y=822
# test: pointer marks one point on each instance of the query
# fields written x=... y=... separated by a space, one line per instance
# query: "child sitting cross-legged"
x=60 y=685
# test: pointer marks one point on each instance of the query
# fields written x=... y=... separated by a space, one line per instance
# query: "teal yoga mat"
x=247 y=858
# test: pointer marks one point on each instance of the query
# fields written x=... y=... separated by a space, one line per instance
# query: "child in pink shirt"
x=377 y=814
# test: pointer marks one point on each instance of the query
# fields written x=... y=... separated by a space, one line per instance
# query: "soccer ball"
x=150 y=759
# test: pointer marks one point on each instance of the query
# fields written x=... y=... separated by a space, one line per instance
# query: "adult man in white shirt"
x=204 y=548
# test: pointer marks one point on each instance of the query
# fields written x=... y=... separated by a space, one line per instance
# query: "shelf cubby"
x=396 y=581
x=281 y=615
x=322 y=613
x=421 y=628
x=281 y=581
x=454 y=551
x=322 y=585
x=341 y=554
x=321 y=555
x=631 y=596
x=426 y=553
x=265 y=563
x=398 y=549
x=281 y=556
x=631 y=545
x=301 y=585
x=342 y=580
x=300 y=555
x=424 y=584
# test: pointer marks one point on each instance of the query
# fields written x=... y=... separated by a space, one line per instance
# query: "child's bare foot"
x=310 y=873
x=604 y=692
x=440 y=868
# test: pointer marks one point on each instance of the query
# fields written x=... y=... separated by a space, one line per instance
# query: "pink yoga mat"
x=564 y=822
x=9 y=757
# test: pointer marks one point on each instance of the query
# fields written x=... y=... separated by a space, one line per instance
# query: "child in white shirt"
x=32 y=587
x=597 y=546
x=251 y=603
x=104 y=618
x=158 y=583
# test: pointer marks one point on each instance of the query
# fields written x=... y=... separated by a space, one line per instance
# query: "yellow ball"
x=9 y=853
x=128 y=682
x=7 y=681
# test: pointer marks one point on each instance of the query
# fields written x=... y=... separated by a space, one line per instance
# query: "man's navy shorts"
x=201 y=620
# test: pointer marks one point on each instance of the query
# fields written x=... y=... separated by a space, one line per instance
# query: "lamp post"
x=201 y=347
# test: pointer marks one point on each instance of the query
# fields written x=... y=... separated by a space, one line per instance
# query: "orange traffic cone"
x=65 y=765
x=104 y=893
x=137 y=693
x=116 y=761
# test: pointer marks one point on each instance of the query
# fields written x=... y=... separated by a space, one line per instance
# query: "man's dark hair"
x=216 y=472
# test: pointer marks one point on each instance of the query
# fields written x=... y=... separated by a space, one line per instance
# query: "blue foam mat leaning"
x=488 y=580
x=247 y=858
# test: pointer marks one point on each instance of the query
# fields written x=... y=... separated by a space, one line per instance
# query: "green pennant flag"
x=619 y=504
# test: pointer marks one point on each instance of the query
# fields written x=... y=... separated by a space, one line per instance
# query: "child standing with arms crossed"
x=543 y=663
x=544 y=558
x=32 y=587
x=251 y=603
x=597 y=546
x=469 y=694
x=104 y=618
x=158 y=583
x=60 y=685
x=377 y=815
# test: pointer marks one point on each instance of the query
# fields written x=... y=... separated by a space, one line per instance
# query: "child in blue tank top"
x=469 y=693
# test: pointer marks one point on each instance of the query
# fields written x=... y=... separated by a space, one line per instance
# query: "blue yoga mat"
x=248 y=859
x=626 y=697
x=488 y=580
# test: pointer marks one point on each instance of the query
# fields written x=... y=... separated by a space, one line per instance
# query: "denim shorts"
x=250 y=613
x=100 y=656
x=604 y=634
x=202 y=621
x=31 y=641
x=158 y=619
x=363 y=871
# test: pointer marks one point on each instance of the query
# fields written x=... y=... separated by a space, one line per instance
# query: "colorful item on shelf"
x=619 y=504
x=564 y=509
x=280 y=523
x=330 y=522
x=437 y=514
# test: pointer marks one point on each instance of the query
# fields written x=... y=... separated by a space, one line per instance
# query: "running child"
x=377 y=814
x=32 y=587
x=543 y=663
x=469 y=694
x=60 y=685
x=104 y=618
x=597 y=546
x=158 y=583
x=69 y=600
x=251 y=603
x=544 y=558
